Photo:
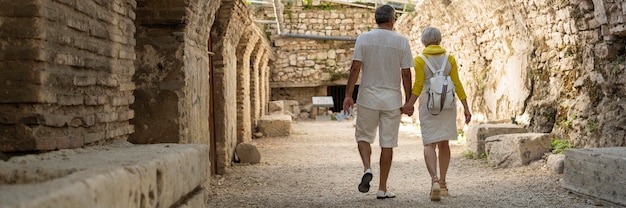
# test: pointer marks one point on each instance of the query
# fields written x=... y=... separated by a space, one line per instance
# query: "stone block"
x=247 y=153
x=597 y=172
x=276 y=106
x=275 y=125
x=291 y=106
x=477 y=134
x=118 y=175
x=556 y=163
x=512 y=150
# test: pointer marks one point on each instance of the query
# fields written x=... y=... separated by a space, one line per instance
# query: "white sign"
x=323 y=101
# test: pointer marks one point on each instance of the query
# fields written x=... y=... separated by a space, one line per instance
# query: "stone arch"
x=261 y=56
x=255 y=80
x=245 y=47
x=225 y=35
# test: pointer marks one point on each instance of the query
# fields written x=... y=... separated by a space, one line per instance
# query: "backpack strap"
x=430 y=66
x=443 y=64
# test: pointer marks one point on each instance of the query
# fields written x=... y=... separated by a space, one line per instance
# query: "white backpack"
x=441 y=90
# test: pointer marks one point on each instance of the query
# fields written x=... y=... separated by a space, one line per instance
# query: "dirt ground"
x=319 y=166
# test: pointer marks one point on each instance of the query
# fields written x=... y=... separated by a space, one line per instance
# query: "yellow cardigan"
x=419 y=71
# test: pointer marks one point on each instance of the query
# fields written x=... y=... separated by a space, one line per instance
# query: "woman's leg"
x=430 y=157
x=444 y=159
x=444 y=162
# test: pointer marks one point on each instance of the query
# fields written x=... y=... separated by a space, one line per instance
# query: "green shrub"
x=558 y=146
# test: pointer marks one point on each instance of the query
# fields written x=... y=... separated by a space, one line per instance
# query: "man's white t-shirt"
x=383 y=53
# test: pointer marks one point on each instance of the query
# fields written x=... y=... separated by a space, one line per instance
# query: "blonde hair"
x=431 y=36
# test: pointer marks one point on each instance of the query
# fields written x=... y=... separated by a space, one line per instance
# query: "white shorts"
x=386 y=121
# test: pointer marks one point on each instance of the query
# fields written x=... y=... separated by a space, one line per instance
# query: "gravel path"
x=319 y=166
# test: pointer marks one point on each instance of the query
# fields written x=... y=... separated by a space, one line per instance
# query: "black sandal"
x=364 y=186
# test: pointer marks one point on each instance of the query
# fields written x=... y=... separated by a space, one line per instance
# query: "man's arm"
x=355 y=70
x=406 y=83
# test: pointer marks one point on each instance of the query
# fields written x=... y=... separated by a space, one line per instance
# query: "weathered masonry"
x=554 y=66
x=77 y=73
x=314 y=49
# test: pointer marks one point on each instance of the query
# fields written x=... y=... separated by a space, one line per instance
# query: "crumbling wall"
x=173 y=90
x=65 y=73
x=553 y=66
x=235 y=38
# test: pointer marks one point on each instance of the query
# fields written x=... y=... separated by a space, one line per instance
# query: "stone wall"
x=555 y=66
x=316 y=44
x=65 y=73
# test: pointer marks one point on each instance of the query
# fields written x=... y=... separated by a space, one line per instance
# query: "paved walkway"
x=319 y=166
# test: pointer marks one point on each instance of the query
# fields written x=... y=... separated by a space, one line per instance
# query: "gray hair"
x=384 y=13
x=431 y=36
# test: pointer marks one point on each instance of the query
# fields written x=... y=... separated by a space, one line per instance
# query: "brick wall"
x=173 y=67
x=65 y=73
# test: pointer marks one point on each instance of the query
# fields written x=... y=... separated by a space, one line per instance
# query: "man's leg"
x=388 y=130
x=386 y=156
x=365 y=133
x=365 y=149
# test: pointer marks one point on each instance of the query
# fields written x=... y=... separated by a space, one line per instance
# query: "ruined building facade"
x=90 y=72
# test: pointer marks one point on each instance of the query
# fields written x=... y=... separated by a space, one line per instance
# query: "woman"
x=436 y=130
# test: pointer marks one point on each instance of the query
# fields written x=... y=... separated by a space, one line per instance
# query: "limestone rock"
x=275 y=125
x=478 y=133
x=597 y=172
x=248 y=153
x=257 y=135
x=556 y=163
x=117 y=175
x=512 y=150
x=275 y=106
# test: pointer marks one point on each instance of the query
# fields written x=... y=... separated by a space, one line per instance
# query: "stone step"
x=513 y=150
x=597 y=172
x=477 y=134
x=119 y=175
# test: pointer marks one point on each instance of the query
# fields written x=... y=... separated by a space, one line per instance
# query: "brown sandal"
x=435 y=190
x=443 y=188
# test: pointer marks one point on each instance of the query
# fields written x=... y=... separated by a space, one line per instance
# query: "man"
x=386 y=59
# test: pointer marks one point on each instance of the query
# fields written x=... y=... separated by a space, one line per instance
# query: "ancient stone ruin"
x=158 y=94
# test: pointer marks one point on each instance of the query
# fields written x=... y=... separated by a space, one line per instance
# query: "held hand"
x=408 y=110
x=348 y=102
